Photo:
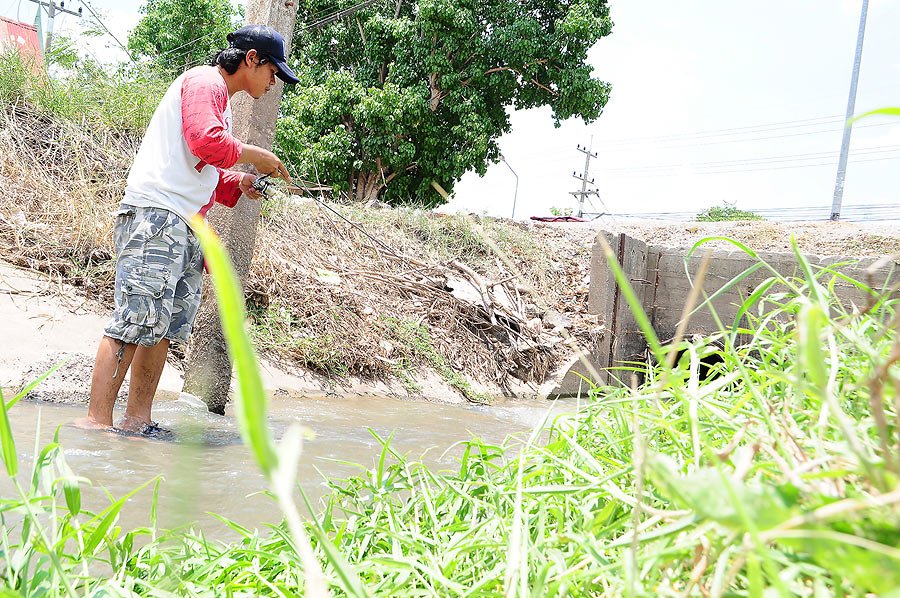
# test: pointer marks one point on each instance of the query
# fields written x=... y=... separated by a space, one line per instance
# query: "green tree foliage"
x=725 y=213
x=405 y=93
x=176 y=34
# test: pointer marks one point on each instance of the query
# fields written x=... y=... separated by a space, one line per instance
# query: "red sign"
x=21 y=37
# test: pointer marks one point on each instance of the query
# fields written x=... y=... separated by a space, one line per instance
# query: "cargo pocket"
x=143 y=292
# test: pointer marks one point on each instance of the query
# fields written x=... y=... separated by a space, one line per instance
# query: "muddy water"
x=209 y=470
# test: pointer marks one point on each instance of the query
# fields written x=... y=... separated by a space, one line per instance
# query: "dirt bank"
x=46 y=323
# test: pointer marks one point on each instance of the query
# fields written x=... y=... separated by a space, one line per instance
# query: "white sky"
x=686 y=71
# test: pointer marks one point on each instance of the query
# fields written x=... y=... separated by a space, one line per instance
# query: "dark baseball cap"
x=268 y=43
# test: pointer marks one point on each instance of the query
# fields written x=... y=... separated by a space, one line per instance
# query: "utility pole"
x=208 y=369
x=516 y=191
x=851 y=104
x=52 y=9
x=584 y=193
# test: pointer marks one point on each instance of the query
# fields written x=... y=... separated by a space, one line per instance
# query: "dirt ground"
x=869 y=239
x=45 y=323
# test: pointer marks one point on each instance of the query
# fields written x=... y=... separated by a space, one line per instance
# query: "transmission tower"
x=52 y=9
x=585 y=193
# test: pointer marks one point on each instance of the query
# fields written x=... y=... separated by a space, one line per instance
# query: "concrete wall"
x=662 y=279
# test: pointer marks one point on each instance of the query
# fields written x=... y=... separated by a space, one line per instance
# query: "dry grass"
x=323 y=294
x=382 y=303
x=61 y=185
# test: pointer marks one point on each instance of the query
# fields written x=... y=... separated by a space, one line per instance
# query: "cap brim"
x=284 y=73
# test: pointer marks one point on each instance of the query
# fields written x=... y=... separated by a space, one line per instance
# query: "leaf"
x=875 y=570
x=713 y=494
x=7 y=443
x=252 y=403
x=107 y=518
x=894 y=111
x=812 y=359
x=99 y=534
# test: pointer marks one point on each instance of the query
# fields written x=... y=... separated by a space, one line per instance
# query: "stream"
x=208 y=469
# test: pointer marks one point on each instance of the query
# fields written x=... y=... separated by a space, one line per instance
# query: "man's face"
x=260 y=77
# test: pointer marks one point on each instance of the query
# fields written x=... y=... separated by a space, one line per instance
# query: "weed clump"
x=779 y=475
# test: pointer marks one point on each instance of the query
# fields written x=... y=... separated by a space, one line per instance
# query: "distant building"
x=23 y=38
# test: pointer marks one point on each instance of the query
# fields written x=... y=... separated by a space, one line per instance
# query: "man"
x=179 y=171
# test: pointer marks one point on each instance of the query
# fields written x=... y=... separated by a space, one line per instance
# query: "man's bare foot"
x=131 y=424
x=89 y=423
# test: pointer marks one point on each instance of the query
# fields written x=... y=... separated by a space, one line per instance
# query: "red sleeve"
x=227 y=192
x=204 y=98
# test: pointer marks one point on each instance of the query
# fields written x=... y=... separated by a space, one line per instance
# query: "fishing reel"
x=262 y=185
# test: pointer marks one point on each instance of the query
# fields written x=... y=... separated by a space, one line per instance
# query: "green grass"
x=778 y=476
x=88 y=95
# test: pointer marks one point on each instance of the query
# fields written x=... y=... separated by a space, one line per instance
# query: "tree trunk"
x=208 y=369
x=367 y=186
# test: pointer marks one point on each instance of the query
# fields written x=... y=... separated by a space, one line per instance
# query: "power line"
x=786 y=135
x=561 y=159
x=789 y=124
x=105 y=28
x=756 y=161
x=340 y=14
x=830 y=163
x=317 y=14
x=319 y=23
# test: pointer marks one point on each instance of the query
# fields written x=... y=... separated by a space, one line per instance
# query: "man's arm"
x=231 y=186
x=229 y=191
x=204 y=99
x=265 y=161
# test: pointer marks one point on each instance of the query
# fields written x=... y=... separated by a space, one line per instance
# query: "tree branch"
x=512 y=70
x=361 y=32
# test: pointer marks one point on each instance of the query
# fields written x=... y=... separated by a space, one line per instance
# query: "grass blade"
x=7 y=443
x=251 y=406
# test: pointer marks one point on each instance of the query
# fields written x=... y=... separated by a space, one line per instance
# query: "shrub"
x=725 y=213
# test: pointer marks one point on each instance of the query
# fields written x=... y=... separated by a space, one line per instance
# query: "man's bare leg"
x=110 y=366
x=146 y=370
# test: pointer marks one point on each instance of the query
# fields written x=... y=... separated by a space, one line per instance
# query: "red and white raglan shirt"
x=182 y=163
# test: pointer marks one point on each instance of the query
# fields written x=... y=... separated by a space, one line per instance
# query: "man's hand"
x=265 y=162
x=246 y=186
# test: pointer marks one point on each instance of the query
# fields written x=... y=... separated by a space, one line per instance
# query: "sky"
x=713 y=102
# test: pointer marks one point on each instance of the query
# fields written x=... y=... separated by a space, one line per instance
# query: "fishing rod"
x=262 y=184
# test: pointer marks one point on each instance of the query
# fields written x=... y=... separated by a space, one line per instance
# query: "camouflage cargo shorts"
x=159 y=274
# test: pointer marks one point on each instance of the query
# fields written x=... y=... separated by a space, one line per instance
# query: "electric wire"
x=767 y=168
x=767 y=137
x=340 y=14
x=789 y=124
x=753 y=161
x=87 y=5
x=307 y=27
x=562 y=159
